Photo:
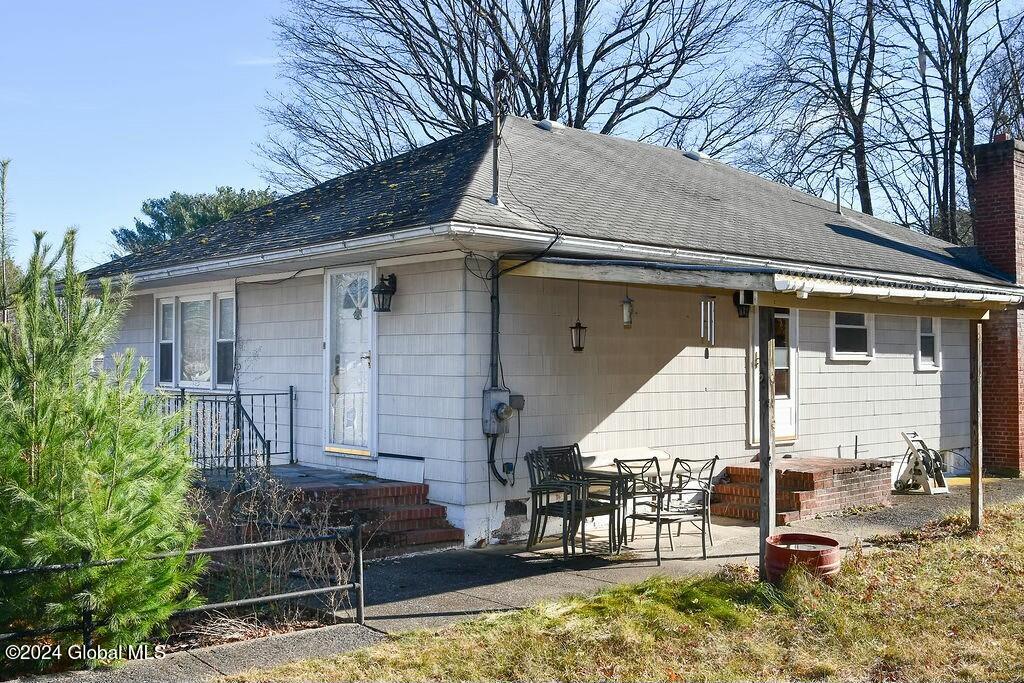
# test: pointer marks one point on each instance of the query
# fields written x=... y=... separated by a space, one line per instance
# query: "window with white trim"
x=196 y=341
x=225 y=340
x=165 y=343
x=851 y=336
x=929 y=344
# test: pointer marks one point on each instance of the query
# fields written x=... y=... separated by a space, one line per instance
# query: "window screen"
x=851 y=333
x=166 y=358
x=225 y=340
x=195 y=341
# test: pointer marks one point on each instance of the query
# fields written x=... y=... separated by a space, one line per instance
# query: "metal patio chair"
x=550 y=496
x=684 y=497
x=567 y=461
x=642 y=478
x=602 y=489
x=593 y=494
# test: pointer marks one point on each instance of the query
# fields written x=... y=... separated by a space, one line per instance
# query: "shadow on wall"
x=655 y=384
x=955 y=393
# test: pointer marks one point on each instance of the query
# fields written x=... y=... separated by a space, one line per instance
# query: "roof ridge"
x=464 y=195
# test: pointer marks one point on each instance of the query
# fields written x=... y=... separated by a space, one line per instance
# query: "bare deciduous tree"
x=371 y=78
x=822 y=64
x=899 y=87
x=1003 y=87
x=957 y=40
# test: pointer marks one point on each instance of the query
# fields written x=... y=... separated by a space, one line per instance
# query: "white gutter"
x=356 y=244
x=807 y=286
x=538 y=239
x=669 y=253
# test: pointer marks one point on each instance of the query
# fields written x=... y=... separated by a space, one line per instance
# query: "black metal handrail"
x=236 y=430
x=89 y=624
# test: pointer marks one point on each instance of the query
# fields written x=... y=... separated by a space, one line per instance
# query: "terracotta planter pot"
x=820 y=555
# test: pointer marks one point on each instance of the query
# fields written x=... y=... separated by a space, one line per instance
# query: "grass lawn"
x=938 y=603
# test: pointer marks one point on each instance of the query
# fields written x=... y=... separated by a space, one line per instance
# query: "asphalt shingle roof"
x=588 y=185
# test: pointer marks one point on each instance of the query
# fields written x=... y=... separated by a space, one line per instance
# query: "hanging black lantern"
x=383 y=292
x=579 y=336
x=579 y=330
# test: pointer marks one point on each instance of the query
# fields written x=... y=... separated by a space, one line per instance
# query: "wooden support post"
x=766 y=396
x=977 y=497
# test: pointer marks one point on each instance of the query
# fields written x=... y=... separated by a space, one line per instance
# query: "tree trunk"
x=860 y=160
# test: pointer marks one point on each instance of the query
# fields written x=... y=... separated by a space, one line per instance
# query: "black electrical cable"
x=490 y=460
x=519 y=436
x=494 y=272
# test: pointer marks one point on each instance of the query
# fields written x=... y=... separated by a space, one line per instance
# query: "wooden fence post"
x=977 y=494
x=766 y=408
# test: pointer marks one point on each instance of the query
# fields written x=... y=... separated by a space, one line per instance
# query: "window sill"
x=779 y=441
x=928 y=368
x=850 y=358
x=205 y=388
x=358 y=453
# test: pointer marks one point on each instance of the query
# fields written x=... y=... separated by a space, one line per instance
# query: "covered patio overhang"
x=788 y=286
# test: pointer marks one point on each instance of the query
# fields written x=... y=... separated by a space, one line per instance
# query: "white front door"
x=786 y=375
x=348 y=345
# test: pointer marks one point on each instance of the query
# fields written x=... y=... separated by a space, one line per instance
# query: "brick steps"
x=409 y=517
x=805 y=487
x=751 y=513
x=397 y=515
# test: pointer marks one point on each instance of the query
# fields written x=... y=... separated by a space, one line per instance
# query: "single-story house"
x=658 y=254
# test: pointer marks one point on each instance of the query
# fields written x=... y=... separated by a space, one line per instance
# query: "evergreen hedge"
x=90 y=466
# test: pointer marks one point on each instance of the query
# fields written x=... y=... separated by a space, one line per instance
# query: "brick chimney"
x=999 y=232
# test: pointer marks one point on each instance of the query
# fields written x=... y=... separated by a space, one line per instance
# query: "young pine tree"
x=90 y=467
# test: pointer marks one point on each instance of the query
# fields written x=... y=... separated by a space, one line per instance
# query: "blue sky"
x=105 y=104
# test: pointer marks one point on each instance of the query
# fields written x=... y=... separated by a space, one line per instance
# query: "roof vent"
x=696 y=155
x=548 y=124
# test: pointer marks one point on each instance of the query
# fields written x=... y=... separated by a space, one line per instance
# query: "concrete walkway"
x=431 y=590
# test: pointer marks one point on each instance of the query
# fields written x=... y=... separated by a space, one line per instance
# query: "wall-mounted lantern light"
x=743 y=299
x=383 y=292
x=579 y=330
x=627 y=311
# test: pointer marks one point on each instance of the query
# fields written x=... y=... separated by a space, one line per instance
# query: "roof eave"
x=533 y=240
x=267 y=258
x=630 y=250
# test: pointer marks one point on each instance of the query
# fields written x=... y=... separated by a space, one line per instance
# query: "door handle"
x=366 y=356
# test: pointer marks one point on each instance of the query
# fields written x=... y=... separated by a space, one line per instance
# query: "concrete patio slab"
x=526 y=591
x=430 y=611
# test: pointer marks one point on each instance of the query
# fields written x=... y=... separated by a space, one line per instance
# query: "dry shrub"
x=257 y=508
